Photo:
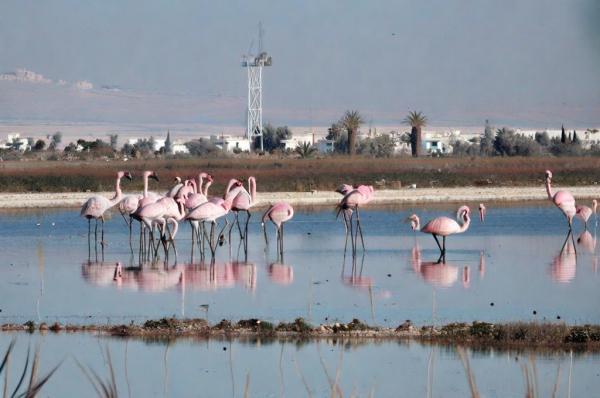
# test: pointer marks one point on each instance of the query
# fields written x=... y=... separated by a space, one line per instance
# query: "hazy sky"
x=529 y=62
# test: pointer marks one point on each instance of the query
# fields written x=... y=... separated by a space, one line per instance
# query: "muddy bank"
x=387 y=196
x=517 y=335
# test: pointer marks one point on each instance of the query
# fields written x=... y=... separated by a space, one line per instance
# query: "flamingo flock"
x=159 y=215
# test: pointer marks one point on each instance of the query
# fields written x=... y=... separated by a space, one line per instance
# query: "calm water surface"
x=502 y=270
x=215 y=368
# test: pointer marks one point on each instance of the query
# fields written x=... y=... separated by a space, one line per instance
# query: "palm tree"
x=351 y=121
x=305 y=150
x=416 y=120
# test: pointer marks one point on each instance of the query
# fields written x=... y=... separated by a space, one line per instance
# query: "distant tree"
x=305 y=150
x=416 y=120
x=272 y=137
x=575 y=138
x=380 y=146
x=466 y=148
x=334 y=132
x=39 y=145
x=570 y=139
x=351 y=122
x=486 y=145
x=168 y=145
x=114 y=140
x=55 y=140
x=542 y=138
x=508 y=143
x=72 y=147
x=201 y=147
x=563 y=136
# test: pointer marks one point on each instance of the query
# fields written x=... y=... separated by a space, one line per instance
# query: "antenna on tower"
x=254 y=64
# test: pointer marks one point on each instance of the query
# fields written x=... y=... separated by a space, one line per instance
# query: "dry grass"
x=274 y=174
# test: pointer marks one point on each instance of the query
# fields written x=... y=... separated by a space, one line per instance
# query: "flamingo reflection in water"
x=442 y=275
x=134 y=278
x=564 y=264
x=281 y=274
x=214 y=276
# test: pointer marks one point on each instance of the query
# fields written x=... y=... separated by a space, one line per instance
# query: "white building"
x=325 y=145
x=229 y=143
x=298 y=140
x=14 y=140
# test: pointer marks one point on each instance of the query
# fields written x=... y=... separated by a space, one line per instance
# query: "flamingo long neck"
x=229 y=185
x=208 y=184
x=549 y=189
x=200 y=182
x=252 y=188
x=118 y=194
x=416 y=224
x=145 y=194
x=194 y=187
x=466 y=222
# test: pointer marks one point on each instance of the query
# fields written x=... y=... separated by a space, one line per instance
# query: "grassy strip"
x=302 y=174
x=557 y=336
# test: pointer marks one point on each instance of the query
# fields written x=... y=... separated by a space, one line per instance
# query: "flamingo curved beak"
x=154 y=176
x=128 y=176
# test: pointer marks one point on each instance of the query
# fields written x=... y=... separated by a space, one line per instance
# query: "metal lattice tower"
x=254 y=64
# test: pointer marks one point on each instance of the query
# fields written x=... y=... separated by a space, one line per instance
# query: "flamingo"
x=171 y=193
x=279 y=213
x=243 y=200
x=159 y=213
x=444 y=226
x=211 y=212
x=564 y=200
x=482 y=211
x=359 y=196
x=97 y=205
x=584 y=212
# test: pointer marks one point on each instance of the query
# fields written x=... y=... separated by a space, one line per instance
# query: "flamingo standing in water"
x=242 y=200
x=565 y=201
x=585 y=212
x=444 y=226
x=211 y=212
x=171 y=193
x=97 y=205
x=279 y=213
x=350 y=204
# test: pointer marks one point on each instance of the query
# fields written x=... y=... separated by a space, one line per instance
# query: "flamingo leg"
x=89 y=236
x=281 y=244
x=102 y=236
x=96 y=233
x=237 y=222
x=212 y=238
x=246 y=232
x=359 y=228
x=565 y=242
x=438 y=243
x=346 y=230
x=352 y=236
x=264 y=228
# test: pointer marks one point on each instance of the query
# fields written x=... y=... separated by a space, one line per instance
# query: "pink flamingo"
x=482 y=211
x=350 y=203
x=200 y=196
x=161 y=212
x=444 y=226
x=211 y=212
x=279 y=213
x=344 y=189
x=97 y=205
x=585 y=212
x=171 y=193
x=561 y=199
x=242 y=200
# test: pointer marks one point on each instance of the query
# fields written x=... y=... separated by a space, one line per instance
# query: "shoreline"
x=316 y=198
x=509 y=335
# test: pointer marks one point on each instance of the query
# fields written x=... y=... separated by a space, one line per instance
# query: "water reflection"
x=281 y=274
x=587 y=241
x=202 y=276
x=438 y=274
x=564 y=264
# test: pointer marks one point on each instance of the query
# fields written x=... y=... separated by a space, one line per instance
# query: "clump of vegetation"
x=299 y=325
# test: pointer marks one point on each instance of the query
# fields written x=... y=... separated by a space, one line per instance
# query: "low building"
x=298 y=140
x=229 y=143
x=14 y=141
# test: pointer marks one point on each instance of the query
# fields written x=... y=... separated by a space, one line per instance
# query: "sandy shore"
x=399 y=196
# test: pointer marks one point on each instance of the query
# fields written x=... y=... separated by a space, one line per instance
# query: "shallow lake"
x=214 y=368
x=506 y=269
